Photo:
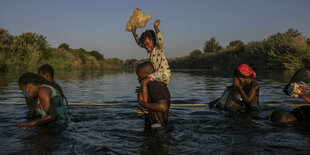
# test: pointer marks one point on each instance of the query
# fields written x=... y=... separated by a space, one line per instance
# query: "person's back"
x=157 y=91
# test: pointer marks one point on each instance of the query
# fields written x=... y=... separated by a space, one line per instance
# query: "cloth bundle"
x=293 y=89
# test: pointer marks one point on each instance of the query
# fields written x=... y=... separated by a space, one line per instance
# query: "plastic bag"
x=302 y=75
x=230 y=99
x=137 y=20
x=293 y=89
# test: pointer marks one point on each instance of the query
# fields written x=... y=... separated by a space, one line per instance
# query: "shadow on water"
x=118 y=130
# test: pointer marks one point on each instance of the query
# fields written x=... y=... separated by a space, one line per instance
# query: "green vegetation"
x=29 y=51
x=289 y=50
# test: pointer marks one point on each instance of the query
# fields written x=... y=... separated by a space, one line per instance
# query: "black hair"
x=148 y=34
x=237 y=73
x=143 y=65
x=36 y=79
x=46 y=68
x=276 y=115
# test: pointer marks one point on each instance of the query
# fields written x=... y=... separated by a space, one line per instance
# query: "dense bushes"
x=29 y=51
x=289 y=50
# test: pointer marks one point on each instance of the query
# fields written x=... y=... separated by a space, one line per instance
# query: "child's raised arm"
x=136 y=36
x=160 y=41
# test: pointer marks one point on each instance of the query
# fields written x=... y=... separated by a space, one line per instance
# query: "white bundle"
x=293 y=89
x=137 y=19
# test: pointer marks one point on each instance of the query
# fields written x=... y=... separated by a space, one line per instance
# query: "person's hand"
x=26 y=124
x=237 y=83
x=145 y=81
x=302 y=91
x=156 y=23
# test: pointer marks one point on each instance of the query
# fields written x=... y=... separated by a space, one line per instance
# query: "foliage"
x=64 y=46
x=288 y=50
x=196 y=53
x=97 y=55
x=29 y=51
x=212 y=46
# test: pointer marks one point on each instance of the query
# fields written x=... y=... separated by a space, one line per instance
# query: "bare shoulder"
x=44 y=91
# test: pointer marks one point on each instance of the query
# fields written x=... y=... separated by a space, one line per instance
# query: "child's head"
x=47 y=72
x=148 y=38
x=144 y=69
x=281 y=117
x=245 y=74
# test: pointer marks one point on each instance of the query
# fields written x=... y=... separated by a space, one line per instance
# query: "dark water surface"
x=118 y=130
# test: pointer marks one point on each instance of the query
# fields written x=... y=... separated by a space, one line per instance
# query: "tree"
x=5 y=39
x=212 y=46
x=292 y=32
x=97 y=55
x=196 y=53
x=235 y=44
x=64 y=46
x=308 y=41
x=38 y=41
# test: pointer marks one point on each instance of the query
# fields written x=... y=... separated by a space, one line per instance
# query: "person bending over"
x=46 y=71
x=50 y=103
x=159 y=98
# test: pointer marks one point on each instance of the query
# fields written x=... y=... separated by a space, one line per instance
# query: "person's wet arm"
x=48 y=107
x=212 y=103
x=248 y=98
x=145 y=92
x=303 y=95
x=161 y=105
x=159 y=95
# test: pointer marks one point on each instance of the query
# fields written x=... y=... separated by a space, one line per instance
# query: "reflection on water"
x=118 y=130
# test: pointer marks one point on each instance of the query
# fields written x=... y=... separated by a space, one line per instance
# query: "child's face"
x=148 y=44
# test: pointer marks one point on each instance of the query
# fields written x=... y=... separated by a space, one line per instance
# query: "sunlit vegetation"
x=28 y=51
x=288 y=50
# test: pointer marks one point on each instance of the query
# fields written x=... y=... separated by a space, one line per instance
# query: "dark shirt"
x=302 y=114
x=157 y=91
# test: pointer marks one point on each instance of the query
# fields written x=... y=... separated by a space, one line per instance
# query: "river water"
x=116 y=129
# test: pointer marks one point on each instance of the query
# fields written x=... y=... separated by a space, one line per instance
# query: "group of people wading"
x=45 y=98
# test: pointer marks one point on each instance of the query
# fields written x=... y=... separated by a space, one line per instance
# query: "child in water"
x=154 y=45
